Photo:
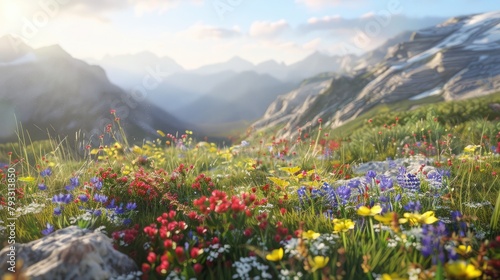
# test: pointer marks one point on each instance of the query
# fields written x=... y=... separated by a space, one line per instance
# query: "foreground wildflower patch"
x=276 y=209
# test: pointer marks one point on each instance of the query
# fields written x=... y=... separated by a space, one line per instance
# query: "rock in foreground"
x=71 y=253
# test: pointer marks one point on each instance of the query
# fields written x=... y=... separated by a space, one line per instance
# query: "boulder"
x=71 y=253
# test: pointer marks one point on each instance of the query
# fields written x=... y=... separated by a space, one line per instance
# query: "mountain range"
x=49 y=91
x=457 y=59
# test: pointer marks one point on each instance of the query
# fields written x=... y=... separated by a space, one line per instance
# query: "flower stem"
x=344 y=241
x=371 y=230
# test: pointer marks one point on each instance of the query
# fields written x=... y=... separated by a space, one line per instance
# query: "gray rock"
x=71 y=253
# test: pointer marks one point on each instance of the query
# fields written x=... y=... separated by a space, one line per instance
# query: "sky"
x=200 y=32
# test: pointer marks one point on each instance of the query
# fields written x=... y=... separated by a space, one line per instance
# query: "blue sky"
x=198 y=32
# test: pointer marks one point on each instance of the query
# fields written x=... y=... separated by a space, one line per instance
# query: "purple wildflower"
x=100 y=198
x=131 y=206
x=48 y=230
x=42 y=186
x=46 y=172
x=62 y=198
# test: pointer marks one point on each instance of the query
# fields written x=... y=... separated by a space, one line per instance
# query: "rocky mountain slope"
x=47 y=90
x=457 y=59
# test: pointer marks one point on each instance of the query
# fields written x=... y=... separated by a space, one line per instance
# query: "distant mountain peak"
x=12 y=48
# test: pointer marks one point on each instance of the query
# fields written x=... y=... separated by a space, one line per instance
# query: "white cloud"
x=201 y=31
x=267 y=29
x=313 y=44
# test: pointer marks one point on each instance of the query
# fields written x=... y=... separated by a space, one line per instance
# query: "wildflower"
x=131 y=206
x=433 y=245
x=42 y=186
x=83 y=198
x=310 y=235
x=62 y=198
x=344 y=193
x=413 y=206
x=407 y=181
x=100 y=198
x=462 y=270
x=46 y=172
x=416 y=219
x=342 y=225
x=463 y=249
x=365 y=211
x=48 y=230
x=74 y=181
x=385 y=219
x=57 y=211
x=318 y=262
x=96 y=182
x=385 y=183
x=471 y=148
x=275 y=255
x=371 y=174
x=27 y=179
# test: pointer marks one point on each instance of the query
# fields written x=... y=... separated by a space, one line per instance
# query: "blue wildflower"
x=385 y=183
x=42 y=186
x=57 y=211
x=131 y=206
x=97 y=213
x=328 y=192
x=96 y=182
x=344 y=193
x=127 y=221
x=48 y=230
x=302 y=192
x=408 y=181
x=74 y=181
x=354 y=183
x=111 y=204
x=100 y=198
x=46 y=172
x=120 y=209
x=62 y=198
x=435 y=179
x=371 y=174
x=433 y=243
x=83 y=198
x=398 y=197
x=413 y=206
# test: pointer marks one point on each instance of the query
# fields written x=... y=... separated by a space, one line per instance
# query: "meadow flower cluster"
x=275 y=208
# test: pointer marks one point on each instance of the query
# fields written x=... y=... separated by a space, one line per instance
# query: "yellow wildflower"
x=279 y=182
x=27 y=179
x=317 y=262
x=291 y=170
x=342 y=225
x=275 y=255
x=385 y=219
x=462 y=270
x=416 y=219
x=463 y=249
x=310 y=235
x=365 y=211
x=471 y=148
